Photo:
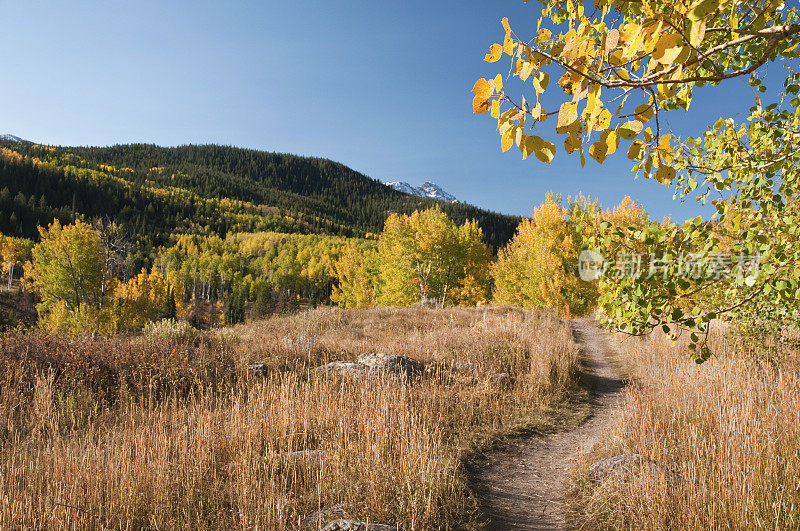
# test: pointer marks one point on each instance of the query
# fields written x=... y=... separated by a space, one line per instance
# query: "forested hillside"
x=154 y=192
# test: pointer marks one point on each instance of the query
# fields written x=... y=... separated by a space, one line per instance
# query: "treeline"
x=154 y=192
x=79 y=270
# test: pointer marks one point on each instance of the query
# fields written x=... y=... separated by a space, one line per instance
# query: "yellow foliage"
x=538 y=268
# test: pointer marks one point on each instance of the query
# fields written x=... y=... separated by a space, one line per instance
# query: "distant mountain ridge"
x=426 y=189
x=11 y=138
x=157 y=192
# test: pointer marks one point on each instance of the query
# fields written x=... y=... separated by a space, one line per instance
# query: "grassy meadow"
x=721 y=439
x=170 y=430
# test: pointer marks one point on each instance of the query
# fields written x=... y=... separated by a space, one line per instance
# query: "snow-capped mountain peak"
x=11 y=138
x=427 y=189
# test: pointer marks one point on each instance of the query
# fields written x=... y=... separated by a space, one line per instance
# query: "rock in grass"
x=616 y=465
x=345 y=368
x=356 y=525
x=375 y=363
x=257 y=369
x=317 y=519
x=391 y=364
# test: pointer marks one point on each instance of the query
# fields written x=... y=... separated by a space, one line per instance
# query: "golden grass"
x=87 y=442
x=728 y=429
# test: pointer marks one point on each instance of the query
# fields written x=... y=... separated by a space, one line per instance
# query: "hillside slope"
x=155 y=192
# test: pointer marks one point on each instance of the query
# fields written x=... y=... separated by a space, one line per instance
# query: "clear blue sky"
x=380 y=86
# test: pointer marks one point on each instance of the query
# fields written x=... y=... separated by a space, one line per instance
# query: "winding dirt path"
x=523 y=484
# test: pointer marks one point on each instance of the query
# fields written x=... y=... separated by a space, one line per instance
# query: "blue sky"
x=380 y=86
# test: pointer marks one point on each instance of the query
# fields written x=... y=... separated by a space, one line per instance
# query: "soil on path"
x=523 y=484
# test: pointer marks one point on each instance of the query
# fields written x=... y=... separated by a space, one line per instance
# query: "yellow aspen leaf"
x=633 y=41
x=663 y=142
x=665 y=174
x=667 y=91
x=480 y=105
x=543 y=36
x=518 y=135
x=482 y=89
x=648 y=164
x=567 y=115
x=572 y=143
x=536 y=112
x=702 y=8
x=648 y=135
x=504 y=22
x=612 y=39
x=540 y=81
x=603 y=120
x=623 y=74
x=508 y=44
x=593 y=93
x=583 y=158
x=598 y=151
x=611 y=140
x=697 y=32
x=495 y=112
x=506 y=141
x=668 y=48
x=644 y=112
x=525 y=147
x=544 y=150
x=525 y=71
x=630 y=129
x=495 y=52
x=498 y=82
x=636 y=150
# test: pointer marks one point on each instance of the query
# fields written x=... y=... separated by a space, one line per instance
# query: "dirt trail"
x=522 y=486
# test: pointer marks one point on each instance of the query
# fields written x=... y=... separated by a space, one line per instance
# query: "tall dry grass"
x=724 y=437
x=147 y=433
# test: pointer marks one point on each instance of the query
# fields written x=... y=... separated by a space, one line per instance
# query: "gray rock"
x=257 y=369
x=317 y=519
x=391 y=364
x=375 y=363
x=346 y=368
x=616 y=465
x=356 y=525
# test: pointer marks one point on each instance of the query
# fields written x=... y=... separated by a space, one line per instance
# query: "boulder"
x=616 y=465
x=316 y=520
x=257 y=369
x=345 y=368
x=375 y=363
x=356 y=525
x=391 y=364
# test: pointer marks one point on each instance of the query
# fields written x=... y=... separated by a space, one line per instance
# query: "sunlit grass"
x=158 y=433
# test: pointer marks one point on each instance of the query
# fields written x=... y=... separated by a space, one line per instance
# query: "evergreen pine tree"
x=170 y=307
x=263 y=303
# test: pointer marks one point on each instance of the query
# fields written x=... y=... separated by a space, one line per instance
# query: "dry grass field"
x=146 y=432
x=721 y=442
